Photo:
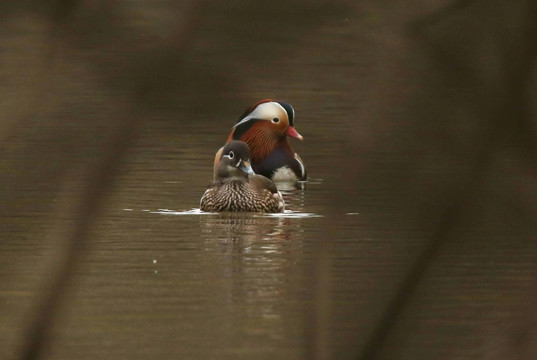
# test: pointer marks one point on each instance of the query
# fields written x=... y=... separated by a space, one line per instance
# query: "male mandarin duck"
x=265 y=127
x=237 y=188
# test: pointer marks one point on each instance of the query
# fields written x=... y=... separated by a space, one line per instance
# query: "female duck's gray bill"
x=246 y=167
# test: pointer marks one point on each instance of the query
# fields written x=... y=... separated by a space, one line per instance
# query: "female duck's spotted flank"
x=265 y=127
x=237 y=188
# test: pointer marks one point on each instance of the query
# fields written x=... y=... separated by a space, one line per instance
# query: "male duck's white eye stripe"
x=281 y=107
x=264 y=111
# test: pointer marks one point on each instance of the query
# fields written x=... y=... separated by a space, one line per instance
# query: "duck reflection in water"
x=244 y=229
x=237 y=188
x=254 y=257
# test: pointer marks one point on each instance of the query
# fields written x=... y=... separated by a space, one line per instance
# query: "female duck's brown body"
x=265 y=127
x=237 y=188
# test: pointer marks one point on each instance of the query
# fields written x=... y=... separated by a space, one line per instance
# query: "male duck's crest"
x=265 y=127
x=237 y=188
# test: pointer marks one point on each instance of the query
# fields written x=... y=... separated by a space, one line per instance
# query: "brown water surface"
x=413 y=238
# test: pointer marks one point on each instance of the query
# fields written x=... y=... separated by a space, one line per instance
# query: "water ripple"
x=196 y=211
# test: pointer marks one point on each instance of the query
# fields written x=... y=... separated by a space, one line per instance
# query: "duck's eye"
x=231 y=155
x=276 y=120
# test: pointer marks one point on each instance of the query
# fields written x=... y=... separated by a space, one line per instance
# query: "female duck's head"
x=235 y=161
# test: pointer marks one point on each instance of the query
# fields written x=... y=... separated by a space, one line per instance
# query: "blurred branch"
x=100 y=180
x=509 y=100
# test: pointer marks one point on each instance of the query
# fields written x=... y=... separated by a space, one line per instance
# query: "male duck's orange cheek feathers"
x=261 y=142
x=260 y=139
x=230 y=137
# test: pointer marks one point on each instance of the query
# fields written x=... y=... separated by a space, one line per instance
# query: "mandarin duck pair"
x=256 y=153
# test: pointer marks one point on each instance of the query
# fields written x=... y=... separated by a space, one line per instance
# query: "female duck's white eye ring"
x=275 y=120
x=231 y=155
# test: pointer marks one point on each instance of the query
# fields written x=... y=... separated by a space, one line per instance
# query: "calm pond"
x=413 y=238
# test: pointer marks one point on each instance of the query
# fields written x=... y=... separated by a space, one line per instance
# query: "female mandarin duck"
x=237 y=188
x=265 y=127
